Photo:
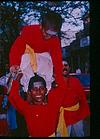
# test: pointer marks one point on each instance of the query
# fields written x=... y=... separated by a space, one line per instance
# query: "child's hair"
x=52 y=20
x=36 y=78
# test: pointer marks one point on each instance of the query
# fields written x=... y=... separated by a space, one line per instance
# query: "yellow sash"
x=32 y=55
x=53 y=135
x=61 y=128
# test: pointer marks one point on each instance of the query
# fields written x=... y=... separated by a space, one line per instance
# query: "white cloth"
x=78 y=71
x=44 y=69
x=4 y=79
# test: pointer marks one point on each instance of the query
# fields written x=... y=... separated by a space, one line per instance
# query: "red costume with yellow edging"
x=33 y=36
x=77 y=94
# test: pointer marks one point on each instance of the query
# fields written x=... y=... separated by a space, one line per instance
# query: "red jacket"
x=76 y=94
x=41 y=119
x=32 y=35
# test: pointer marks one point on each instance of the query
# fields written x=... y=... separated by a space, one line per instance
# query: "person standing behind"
x=10 y=110
x=12 y=116
x=74 y=84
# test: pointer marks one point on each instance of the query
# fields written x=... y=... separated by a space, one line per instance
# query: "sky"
x=71 y=29
x=70 y=33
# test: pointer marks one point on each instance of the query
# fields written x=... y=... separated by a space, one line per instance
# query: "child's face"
x=48 y=33
x=38 y=93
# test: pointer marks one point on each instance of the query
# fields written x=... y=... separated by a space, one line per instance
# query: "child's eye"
x=36 y=88
x=41 y=88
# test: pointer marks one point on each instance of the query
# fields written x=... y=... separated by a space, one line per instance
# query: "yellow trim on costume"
x=32 y=55
x=72 y=108
x=53 y=135
x=61 y=128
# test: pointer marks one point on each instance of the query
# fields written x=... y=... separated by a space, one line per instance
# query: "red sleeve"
x=56 y=54
x=57 y=95
x=16 y=51
x=84 y=106
x=15 y=99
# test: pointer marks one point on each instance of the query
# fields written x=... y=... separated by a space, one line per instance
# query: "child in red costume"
x=41 y=38
x=41 y=116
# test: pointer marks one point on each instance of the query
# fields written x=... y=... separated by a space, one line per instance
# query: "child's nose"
x=38 y=91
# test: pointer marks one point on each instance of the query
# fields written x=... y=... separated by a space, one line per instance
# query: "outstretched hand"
x=16 y=72
x=14 y=68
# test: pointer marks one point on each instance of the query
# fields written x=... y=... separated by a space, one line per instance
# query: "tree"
x=10 y=22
